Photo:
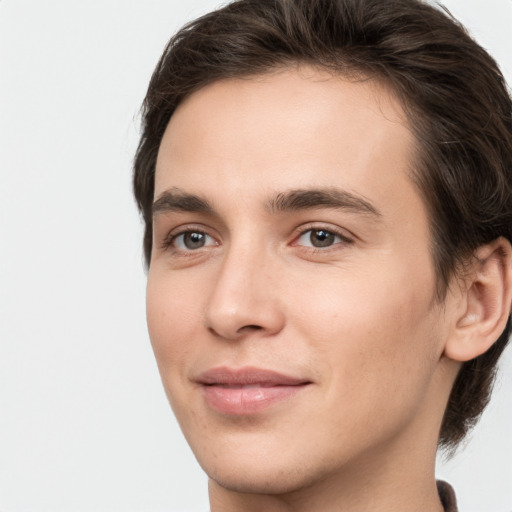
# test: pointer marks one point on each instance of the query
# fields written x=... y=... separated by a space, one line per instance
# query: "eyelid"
x=173 y=234
x=346 y=236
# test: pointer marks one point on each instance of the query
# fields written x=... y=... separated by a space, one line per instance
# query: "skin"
x=357 y=318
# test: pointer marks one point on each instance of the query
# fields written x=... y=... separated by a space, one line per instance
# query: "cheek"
x=173 y=316
x=373 y=333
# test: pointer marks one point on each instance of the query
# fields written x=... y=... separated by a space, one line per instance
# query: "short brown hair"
x=453 y=93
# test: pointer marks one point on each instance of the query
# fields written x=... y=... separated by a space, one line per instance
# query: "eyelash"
x=311 y=228
x=170 y=239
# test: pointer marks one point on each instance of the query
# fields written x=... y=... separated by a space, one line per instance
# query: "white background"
x=84 y=424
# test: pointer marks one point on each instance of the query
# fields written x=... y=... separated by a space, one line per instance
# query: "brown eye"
x=192 y=240
x=321 y=238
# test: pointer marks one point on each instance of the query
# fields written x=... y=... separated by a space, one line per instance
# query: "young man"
x=326 y=187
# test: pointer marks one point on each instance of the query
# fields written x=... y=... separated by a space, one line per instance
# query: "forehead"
x=292 y=128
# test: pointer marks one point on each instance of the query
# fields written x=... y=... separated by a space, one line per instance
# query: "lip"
x=248 y=390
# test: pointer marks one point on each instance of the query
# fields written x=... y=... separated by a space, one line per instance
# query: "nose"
x=245 y=297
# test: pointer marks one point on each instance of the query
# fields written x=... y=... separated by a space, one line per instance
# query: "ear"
x=485 y=302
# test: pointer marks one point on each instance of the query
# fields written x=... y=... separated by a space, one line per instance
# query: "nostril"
x=250 y=328
x=242 y=330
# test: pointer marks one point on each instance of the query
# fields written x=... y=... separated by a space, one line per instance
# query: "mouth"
x=248 y=390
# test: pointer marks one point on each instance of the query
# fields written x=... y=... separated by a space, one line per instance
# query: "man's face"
x=290 y=292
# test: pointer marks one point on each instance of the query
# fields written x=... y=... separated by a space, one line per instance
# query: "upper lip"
x=247 y=376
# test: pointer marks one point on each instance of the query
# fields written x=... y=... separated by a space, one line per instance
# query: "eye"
x=319 y=238
x=192 y=240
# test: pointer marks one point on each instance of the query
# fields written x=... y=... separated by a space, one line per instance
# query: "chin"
x=258 y=478
x=259 y=465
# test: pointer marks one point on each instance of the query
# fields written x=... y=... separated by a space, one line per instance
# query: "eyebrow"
x=332 y=197
x=177 y=200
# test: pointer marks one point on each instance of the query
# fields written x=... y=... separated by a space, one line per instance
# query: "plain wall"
x=84 y=423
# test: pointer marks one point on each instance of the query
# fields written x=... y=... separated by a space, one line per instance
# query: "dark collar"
x=447 y=496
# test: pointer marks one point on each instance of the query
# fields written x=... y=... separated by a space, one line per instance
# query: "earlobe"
x=485 y=303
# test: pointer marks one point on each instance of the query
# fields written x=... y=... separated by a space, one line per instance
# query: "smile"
x=248 y=390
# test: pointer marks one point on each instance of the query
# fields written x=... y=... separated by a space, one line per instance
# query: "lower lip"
x=244 y=401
